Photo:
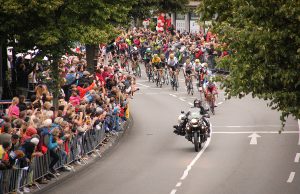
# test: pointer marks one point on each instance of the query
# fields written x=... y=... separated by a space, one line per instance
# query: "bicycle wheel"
x=166 y=77
x=192 y=88
x=175 y=83
x=172 y=82
x=138 y=71
x=153 y=75
x=156 y=79
x=160 y=80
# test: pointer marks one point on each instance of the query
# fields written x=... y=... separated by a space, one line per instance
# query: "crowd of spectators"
x=86 y=102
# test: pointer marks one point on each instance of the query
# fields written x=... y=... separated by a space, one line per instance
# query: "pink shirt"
x=13 y=110
x=74 y=100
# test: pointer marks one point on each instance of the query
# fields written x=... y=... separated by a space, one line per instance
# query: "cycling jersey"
x=156 y=60
x=188 y=68
x=172 y=62
x=135 y=55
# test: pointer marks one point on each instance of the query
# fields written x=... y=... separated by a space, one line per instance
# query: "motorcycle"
x=192 y=125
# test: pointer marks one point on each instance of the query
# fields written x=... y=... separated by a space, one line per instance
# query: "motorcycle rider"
x=197 y=104
x=203 y=111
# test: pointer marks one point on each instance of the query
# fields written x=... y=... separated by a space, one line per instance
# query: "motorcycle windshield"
x=194 y=115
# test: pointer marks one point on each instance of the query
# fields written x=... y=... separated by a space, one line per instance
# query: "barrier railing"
x=12 y=180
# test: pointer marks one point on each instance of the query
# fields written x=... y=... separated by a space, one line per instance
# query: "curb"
x=103 y=153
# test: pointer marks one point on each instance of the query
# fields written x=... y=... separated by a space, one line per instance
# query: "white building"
x=187 y=22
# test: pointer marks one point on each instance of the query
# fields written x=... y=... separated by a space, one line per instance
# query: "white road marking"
x=143 y=85
x=220 y=103
x=189 y=167
x=299 y=131
x=190 y=103
x=183 y=100
x=253 y=137
x=297 y=157
x=251 y=132
x=291 y=177
x=156 y=88
x=173 y=191
x=253 y=126
x=173 y=95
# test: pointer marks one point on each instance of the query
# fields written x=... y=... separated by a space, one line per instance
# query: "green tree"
x=264 y=38
x=53 y=26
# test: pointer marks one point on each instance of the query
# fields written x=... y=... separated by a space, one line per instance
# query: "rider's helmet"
x=155 y=56
x=162 y=56
x=210 y=83
x=197 y=103
x=148 y=50
x=135 y=48
x=172 y=56
x=197 y=61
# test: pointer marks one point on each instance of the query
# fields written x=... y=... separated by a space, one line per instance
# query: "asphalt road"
x=150 y=159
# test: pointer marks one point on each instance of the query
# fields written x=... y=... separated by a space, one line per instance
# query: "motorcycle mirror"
x=182 y=112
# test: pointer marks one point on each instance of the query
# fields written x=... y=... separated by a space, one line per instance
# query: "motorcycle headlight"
x=194 y=123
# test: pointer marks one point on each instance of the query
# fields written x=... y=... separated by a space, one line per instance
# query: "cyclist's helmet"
x=197 y=103
x=210 y=83
x=172 y=56
x=135 y=48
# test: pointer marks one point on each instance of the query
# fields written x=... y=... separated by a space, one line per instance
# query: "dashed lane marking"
x=173 y=95
x=291 y=177
x=253 y=126
x=251 y=132
x=178 y=184
x=143 y=85
x=299 y=131
x=297 y=157
x=183 y=100
x=189 y=167
x=190 y=103
x=173 y=191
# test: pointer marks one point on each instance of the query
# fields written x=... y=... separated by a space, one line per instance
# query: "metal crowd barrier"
x=80 y=145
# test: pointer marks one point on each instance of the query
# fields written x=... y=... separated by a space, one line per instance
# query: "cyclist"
x=203 y=111
x=134 y=58
x=211 y=90
x=155 y=63
x=147 y=58
x=172 y=64
x=163 y=65
x=188 y=70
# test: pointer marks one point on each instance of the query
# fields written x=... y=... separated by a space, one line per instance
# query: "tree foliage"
x=264 y=38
